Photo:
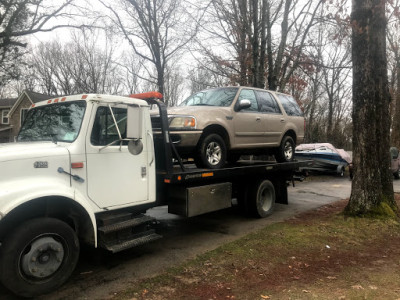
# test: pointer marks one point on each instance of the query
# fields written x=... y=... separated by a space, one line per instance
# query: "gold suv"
x=218 y=125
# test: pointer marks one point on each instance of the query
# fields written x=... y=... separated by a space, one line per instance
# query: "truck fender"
x=18 y=193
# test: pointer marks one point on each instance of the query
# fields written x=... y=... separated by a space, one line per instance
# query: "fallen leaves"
x=357 y=287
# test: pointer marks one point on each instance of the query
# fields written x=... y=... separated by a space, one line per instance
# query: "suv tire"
x=211 y=153
x=285 y=152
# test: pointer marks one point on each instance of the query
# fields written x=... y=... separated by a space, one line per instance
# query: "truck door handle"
x=74 y=177
x=282 y=120
x=152 y=154
x=258 y=119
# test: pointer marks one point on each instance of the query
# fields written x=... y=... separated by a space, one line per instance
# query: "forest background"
x=178 y=47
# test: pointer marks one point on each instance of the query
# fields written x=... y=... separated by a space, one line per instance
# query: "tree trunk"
x=255 y=69
x=396 y=117
x=243 y=43
x=261 y=75
x=372 y=188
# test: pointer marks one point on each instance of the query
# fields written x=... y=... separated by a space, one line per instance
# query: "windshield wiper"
x=54 y=138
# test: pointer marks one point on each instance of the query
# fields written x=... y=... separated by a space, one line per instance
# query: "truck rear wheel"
x=38 y=257
x=261 y=198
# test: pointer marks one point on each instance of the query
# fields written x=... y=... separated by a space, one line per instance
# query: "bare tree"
x=253 y=50
x=372 y=188
x=156 y=30
x=298 y=17
x=335 y=83
x=95 y=68
x=78 y=66
x=174 y=86
x=19 y=19
x=132 y=67
x=202 y=76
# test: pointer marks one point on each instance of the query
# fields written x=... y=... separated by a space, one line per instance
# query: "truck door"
x=115 y=177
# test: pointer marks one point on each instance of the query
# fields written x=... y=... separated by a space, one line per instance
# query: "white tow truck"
x=85 y=169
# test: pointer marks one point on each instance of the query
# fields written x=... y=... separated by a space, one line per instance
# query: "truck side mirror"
x=134 y=122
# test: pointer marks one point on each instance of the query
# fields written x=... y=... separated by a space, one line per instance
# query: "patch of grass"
x=320 y=256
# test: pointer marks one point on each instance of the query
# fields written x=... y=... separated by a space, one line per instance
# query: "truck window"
x=104 y=130
x=58 y=122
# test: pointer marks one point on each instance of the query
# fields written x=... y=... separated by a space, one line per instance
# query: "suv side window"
x=290 y=105
x=249 y=95
x=268 y=103
x=104 y=130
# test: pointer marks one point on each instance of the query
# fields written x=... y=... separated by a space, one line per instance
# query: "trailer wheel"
x=38 y=257
x=340 y=171
x=261 y=199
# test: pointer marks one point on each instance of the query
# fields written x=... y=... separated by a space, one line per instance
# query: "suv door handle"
x=258 y=119
x=282 y=120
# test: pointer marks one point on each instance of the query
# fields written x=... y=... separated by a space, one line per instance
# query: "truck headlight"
x=182 y=122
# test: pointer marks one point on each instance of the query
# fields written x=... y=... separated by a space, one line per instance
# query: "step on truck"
x=84 y=170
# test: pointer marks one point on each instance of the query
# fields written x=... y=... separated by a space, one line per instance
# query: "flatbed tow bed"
x=242 y=168
x=257 y=186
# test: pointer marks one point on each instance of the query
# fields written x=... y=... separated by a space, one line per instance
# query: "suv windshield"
x=213 y=97
x=56 y=122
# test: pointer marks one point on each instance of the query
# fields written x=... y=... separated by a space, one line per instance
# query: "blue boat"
x=325 y=157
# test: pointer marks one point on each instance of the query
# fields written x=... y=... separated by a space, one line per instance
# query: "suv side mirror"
x=244 y=103
x=134 y=122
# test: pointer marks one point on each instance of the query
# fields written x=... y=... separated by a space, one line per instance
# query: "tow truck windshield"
x=58 y=122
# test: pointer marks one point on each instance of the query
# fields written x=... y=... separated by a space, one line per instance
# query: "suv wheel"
x=211 y=153
x=285 y=152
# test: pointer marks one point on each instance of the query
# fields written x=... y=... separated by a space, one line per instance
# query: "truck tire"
x=211 y=153
x=38 y=257
x=261 y=199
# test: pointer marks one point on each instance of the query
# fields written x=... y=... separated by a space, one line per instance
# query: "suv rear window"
x=268 y=103
x=290 y=105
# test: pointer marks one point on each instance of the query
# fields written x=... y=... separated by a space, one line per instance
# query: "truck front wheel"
x=38 y=256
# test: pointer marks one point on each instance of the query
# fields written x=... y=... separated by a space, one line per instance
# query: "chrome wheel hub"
x=213 y=153
x=288 y=151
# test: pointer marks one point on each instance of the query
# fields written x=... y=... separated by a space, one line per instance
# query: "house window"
x=4 y=117
x=24 y=111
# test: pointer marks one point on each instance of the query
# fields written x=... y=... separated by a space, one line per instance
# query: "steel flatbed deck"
x=244 y=168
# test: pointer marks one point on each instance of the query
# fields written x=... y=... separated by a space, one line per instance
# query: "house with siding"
x=16 y=113
x=5 y=126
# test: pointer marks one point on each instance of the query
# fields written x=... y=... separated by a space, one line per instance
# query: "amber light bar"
x=148 y=95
